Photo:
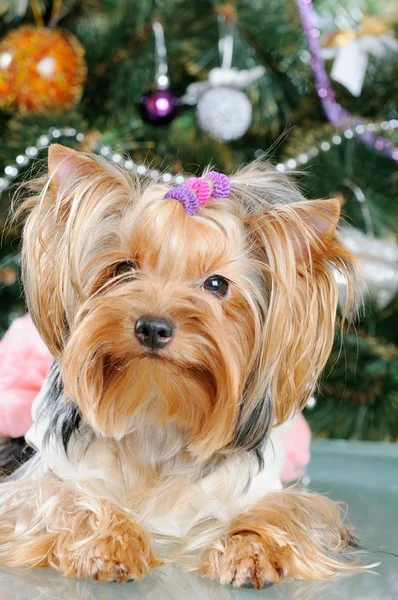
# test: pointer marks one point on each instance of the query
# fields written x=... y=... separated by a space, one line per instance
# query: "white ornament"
x=351 y=59
x=223 y=109
x=378 y=261
x=224 y=112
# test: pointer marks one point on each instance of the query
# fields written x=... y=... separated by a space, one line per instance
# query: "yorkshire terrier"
x=186 y=325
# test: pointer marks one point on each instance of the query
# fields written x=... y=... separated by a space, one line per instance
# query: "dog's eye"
x=125 y=266
x=216 y=285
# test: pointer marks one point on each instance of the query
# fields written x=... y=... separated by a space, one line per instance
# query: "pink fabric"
x=25 y=360
x=297 y=443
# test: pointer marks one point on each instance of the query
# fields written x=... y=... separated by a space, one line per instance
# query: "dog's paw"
x=244 y=561
x=123 y=555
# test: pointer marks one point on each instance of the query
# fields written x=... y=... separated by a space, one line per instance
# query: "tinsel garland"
x=336 y=114
x=22 y=161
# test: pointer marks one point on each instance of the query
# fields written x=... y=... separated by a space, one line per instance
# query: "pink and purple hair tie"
x=197 y=191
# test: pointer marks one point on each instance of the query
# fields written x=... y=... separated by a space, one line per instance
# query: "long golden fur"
x=147 y=429
x=287 y=534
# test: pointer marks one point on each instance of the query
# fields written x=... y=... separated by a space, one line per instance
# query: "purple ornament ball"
x=159 y=107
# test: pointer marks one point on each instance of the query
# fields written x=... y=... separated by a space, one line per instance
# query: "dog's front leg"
x=47 y=522
x=118 y=550
x=286 y=534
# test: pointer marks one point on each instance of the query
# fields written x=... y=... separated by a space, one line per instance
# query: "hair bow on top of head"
x=197 y=191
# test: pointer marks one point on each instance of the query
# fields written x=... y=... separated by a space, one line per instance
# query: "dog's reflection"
x=167 y=583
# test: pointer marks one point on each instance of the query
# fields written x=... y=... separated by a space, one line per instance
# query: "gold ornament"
x=40 y=69
x=351 y=48
x=371 y=25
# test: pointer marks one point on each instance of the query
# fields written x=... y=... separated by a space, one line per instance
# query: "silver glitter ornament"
x=224 y=112
x=378 y=261
x=223 y=109
x=378 y=258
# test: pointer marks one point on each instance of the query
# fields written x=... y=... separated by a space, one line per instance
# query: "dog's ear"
x=62 y=161
x=297 y=252
x=67 y=167
x=320 y=219
x=306 y=229
x=71 y=209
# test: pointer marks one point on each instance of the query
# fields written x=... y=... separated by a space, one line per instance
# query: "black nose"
x=154 y=332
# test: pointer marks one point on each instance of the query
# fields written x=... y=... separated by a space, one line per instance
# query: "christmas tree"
x=312 y=86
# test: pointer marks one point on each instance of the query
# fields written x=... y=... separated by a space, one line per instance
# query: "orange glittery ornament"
x=40 y=69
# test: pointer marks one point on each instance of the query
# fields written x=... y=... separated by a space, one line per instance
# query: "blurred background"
x=164 y=88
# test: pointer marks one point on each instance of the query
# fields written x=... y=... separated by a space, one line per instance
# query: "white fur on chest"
x=223 y=494
x=234 y=485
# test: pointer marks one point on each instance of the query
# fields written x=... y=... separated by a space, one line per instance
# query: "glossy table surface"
x=362 y=474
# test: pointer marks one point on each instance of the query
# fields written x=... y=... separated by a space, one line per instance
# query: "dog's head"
x=220 y=321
